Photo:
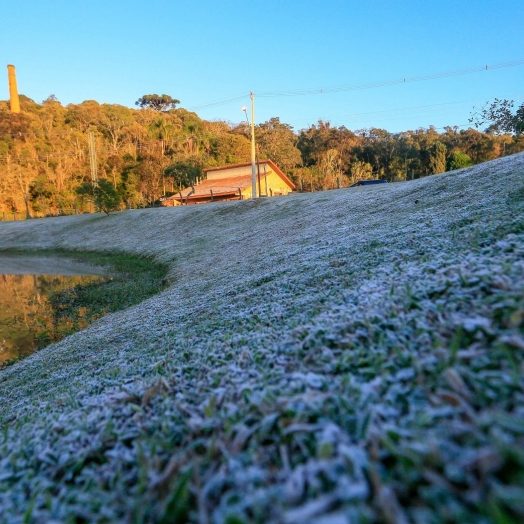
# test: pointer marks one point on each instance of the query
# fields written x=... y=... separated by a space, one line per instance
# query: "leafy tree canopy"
x=44 y=151
x=230 y=149
x=277 y=141
x=458 y=160
x=500 y=117
x=104 y=195
x=184 y=172
x=41 y=187
x=51 y=99
x=160 y=103
x=437 y=158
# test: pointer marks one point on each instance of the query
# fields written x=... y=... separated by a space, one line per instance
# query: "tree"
x=480 y=147
x=437 y=158
x=329 y=169
x=230 y=148
x=40 y=191
x=278 y=142
x=44 y=151
x=103 y=194
x=157 y=103
x=378 y=148
x=458 y=160
x=184 y=172
x=129 y=186
x=360 y=170
x=318 y=139
x=113 y=122
x=51 y=99
x=151 y=171
x=500 y=117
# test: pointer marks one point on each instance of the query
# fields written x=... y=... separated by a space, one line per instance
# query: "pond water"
x=32 y=293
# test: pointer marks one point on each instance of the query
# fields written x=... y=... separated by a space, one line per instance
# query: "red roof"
x=219 y=187
x=228 y=186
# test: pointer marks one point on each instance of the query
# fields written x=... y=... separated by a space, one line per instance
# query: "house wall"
x=275 y=185
x=246 y=193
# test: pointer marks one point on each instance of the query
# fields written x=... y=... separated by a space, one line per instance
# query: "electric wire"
x=297 y=92
x=362 y=86
x=217 y=103
x=404 y=80
x=390 y=115
x=353 y=87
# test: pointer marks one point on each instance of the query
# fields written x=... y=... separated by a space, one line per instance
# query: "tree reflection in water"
x=34 y=311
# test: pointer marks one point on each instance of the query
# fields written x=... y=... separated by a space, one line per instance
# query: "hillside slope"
x=345 y=356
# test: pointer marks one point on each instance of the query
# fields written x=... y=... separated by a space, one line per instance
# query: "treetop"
x=160 y=103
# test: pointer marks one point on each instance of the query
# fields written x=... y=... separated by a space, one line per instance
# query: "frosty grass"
x=330 y=358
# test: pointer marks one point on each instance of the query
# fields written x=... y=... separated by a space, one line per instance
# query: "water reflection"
x=29 y=314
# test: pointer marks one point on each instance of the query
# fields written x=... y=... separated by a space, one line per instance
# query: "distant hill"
x=146 y=153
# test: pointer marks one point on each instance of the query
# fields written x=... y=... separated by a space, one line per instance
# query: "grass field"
x=347 y=356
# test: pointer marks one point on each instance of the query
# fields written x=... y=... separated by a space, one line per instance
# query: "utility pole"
x=92 y=158
x=253 y=152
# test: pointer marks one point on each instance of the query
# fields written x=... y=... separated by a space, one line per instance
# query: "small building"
x=233 y=182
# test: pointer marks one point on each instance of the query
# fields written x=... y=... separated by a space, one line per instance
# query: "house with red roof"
x=233 y=182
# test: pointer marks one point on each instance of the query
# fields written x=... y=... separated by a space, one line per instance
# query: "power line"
x=221 y=102
x=405 y=80
x=411 y=110
x=148 y=143
x=377 y=122
x=351 y=87
x=368 y=85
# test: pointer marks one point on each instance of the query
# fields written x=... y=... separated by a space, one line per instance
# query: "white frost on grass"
x=342 y=355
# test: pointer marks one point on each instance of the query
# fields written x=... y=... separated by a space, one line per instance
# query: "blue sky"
x=115 y=51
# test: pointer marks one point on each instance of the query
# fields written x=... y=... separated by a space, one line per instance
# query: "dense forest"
x=155 y=150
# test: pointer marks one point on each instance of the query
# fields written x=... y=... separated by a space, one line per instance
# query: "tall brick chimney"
x=13 y=90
